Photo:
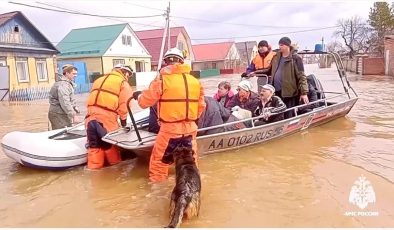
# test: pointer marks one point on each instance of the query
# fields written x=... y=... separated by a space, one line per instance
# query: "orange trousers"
x=97 y=157
x=165 y=144
x=99 y=151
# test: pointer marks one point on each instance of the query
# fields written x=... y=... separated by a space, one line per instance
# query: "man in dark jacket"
x=288 y=76
x=269 y=104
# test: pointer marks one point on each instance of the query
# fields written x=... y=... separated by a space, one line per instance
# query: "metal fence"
x=38 y=93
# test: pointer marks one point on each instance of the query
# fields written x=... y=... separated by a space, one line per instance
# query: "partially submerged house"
x=223 y=55
x=96 y=50
x=179 y=38
x=26 y=55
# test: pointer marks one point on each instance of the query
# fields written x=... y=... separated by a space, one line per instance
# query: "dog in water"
x=185 y=197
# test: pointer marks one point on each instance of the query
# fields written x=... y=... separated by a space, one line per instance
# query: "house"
x=179 y=38
x=247 y=51
x=26 y=55
x=222 y=55
x=100 y=48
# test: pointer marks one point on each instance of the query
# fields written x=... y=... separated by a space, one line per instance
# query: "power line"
x=241 y=24
x=147 y=7
x=62 y=8
x=119 y=20
x=86 y=14
x=263 y=35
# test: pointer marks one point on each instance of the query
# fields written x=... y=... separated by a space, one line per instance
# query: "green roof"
x=89 y=42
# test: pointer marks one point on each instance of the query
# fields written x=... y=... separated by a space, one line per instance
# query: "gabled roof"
x=241 y=46
x=152 y=40
x=48 y=46
x=7 y=16
x=211 y=51
x=89 y=42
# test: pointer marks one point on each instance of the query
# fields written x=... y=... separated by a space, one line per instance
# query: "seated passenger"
x=312 y=96
x=224 y=94
x=245 y=99
x=269 y=104
x=216 y=114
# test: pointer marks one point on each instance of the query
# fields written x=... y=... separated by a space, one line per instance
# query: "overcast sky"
x=228 y=20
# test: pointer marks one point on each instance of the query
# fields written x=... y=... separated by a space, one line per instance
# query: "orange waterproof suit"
x=180 y=102
x=106 y=102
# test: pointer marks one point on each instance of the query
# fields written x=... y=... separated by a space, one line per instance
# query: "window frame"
x=45 y=68
x=118 y=61
x=24 y=61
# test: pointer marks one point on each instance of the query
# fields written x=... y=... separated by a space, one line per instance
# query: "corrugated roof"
x=89 y=42
x=152 y=40
x=211 y=51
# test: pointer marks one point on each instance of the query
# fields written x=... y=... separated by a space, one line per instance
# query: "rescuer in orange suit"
x=106 y=103
x=180 y=102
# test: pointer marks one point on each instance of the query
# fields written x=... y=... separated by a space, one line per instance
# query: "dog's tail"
x=176 y=218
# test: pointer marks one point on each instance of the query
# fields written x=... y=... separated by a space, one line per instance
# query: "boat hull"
x=239 y=138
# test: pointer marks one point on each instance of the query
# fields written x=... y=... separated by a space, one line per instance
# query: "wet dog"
x=185 y=197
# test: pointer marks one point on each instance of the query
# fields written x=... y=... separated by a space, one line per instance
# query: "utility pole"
x=168 y=27
x=322 y=43
x=247 y=55
x=167 y=24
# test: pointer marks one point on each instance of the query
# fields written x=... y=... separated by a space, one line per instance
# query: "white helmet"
x=124 y=67
x=174 y=52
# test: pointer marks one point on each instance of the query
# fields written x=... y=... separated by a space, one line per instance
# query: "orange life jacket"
x=181 y=91
x=262 y=63
x=105 y=91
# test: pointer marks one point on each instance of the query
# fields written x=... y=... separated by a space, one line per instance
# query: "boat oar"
x=65 y=131
x=132 y=120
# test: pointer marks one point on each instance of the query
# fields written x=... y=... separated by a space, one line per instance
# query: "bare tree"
x=355 y=33
x=336 y=47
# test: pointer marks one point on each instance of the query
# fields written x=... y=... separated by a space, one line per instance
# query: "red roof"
x=211 y=51
x=152 y=40
x=7 y=16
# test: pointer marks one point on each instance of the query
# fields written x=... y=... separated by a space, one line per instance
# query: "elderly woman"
x=245 y=98
x=269 y=104
x=224 y=94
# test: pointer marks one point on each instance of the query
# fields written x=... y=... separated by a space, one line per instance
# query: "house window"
x=2 y=62
x=213 y=65
x=42 y=72
x=118 y=61
x=126 y=40
x=180 y=46
x=22 y=70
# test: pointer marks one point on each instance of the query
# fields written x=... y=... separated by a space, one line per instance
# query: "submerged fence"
x=38 y=93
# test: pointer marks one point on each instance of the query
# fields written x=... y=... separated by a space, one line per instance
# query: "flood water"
x=302 y=180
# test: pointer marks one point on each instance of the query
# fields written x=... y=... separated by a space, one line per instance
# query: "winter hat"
x=285 y=41
x=263 y=43
x=245 y=84
x=268 y=87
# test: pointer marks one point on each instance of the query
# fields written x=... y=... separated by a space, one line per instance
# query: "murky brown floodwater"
x=302 y=180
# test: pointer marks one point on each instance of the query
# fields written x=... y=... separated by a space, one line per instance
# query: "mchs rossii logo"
x=361 y=195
